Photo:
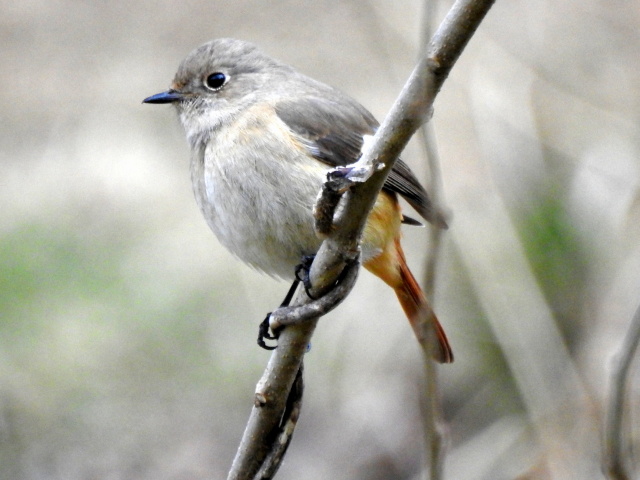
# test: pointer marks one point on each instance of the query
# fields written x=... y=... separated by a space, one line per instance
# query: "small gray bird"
x=263 y=137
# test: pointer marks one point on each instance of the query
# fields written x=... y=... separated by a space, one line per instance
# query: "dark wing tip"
x=407 y=220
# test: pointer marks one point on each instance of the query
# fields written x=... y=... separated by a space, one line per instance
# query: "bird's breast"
x=256 y=186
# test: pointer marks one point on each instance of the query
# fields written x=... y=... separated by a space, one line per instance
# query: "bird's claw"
x=263 y=333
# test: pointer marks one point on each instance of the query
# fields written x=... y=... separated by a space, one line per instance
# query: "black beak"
x=169 y=96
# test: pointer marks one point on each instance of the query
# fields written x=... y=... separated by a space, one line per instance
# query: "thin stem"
x=615 y=465
x=431 y=411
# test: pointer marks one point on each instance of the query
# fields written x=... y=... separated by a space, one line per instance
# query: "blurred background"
x=127 y=334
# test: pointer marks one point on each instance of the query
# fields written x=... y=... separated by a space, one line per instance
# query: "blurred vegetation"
x=559 y=262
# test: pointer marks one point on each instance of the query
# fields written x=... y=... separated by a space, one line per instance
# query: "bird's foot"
x=302 y=274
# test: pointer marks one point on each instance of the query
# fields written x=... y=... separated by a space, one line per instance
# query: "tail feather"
x=392 y=267
x=422 y=318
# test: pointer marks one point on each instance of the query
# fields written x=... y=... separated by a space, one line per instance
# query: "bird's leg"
x=263 y=329
x=295 y=315
x=302 y=274
x=285 y=315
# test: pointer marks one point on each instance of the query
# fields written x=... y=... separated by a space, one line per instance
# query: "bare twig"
x=427 y=132
x=436 y=191
x=433 y=426
x=340 y=248
x=615 y=466
x=432 y=422
x=432 y=417
x=284 y=434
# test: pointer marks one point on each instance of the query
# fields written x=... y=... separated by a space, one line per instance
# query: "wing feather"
x=332 y=129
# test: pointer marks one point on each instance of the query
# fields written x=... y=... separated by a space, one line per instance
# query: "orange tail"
x=421 y=316
x=392 y=267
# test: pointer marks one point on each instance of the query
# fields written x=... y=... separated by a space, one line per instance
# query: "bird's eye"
x=215 y=81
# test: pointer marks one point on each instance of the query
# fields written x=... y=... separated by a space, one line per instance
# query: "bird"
x=262 y=137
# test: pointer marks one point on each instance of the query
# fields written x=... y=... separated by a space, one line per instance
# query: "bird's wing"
x=332 y=129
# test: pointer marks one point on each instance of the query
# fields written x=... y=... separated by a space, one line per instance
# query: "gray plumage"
x=261 y=146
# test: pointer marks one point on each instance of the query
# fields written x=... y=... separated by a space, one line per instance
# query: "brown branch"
x=412 y=108
x=281 y=442
x=615 y=466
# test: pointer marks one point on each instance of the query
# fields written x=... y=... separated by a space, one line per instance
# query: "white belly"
x=258 y=199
